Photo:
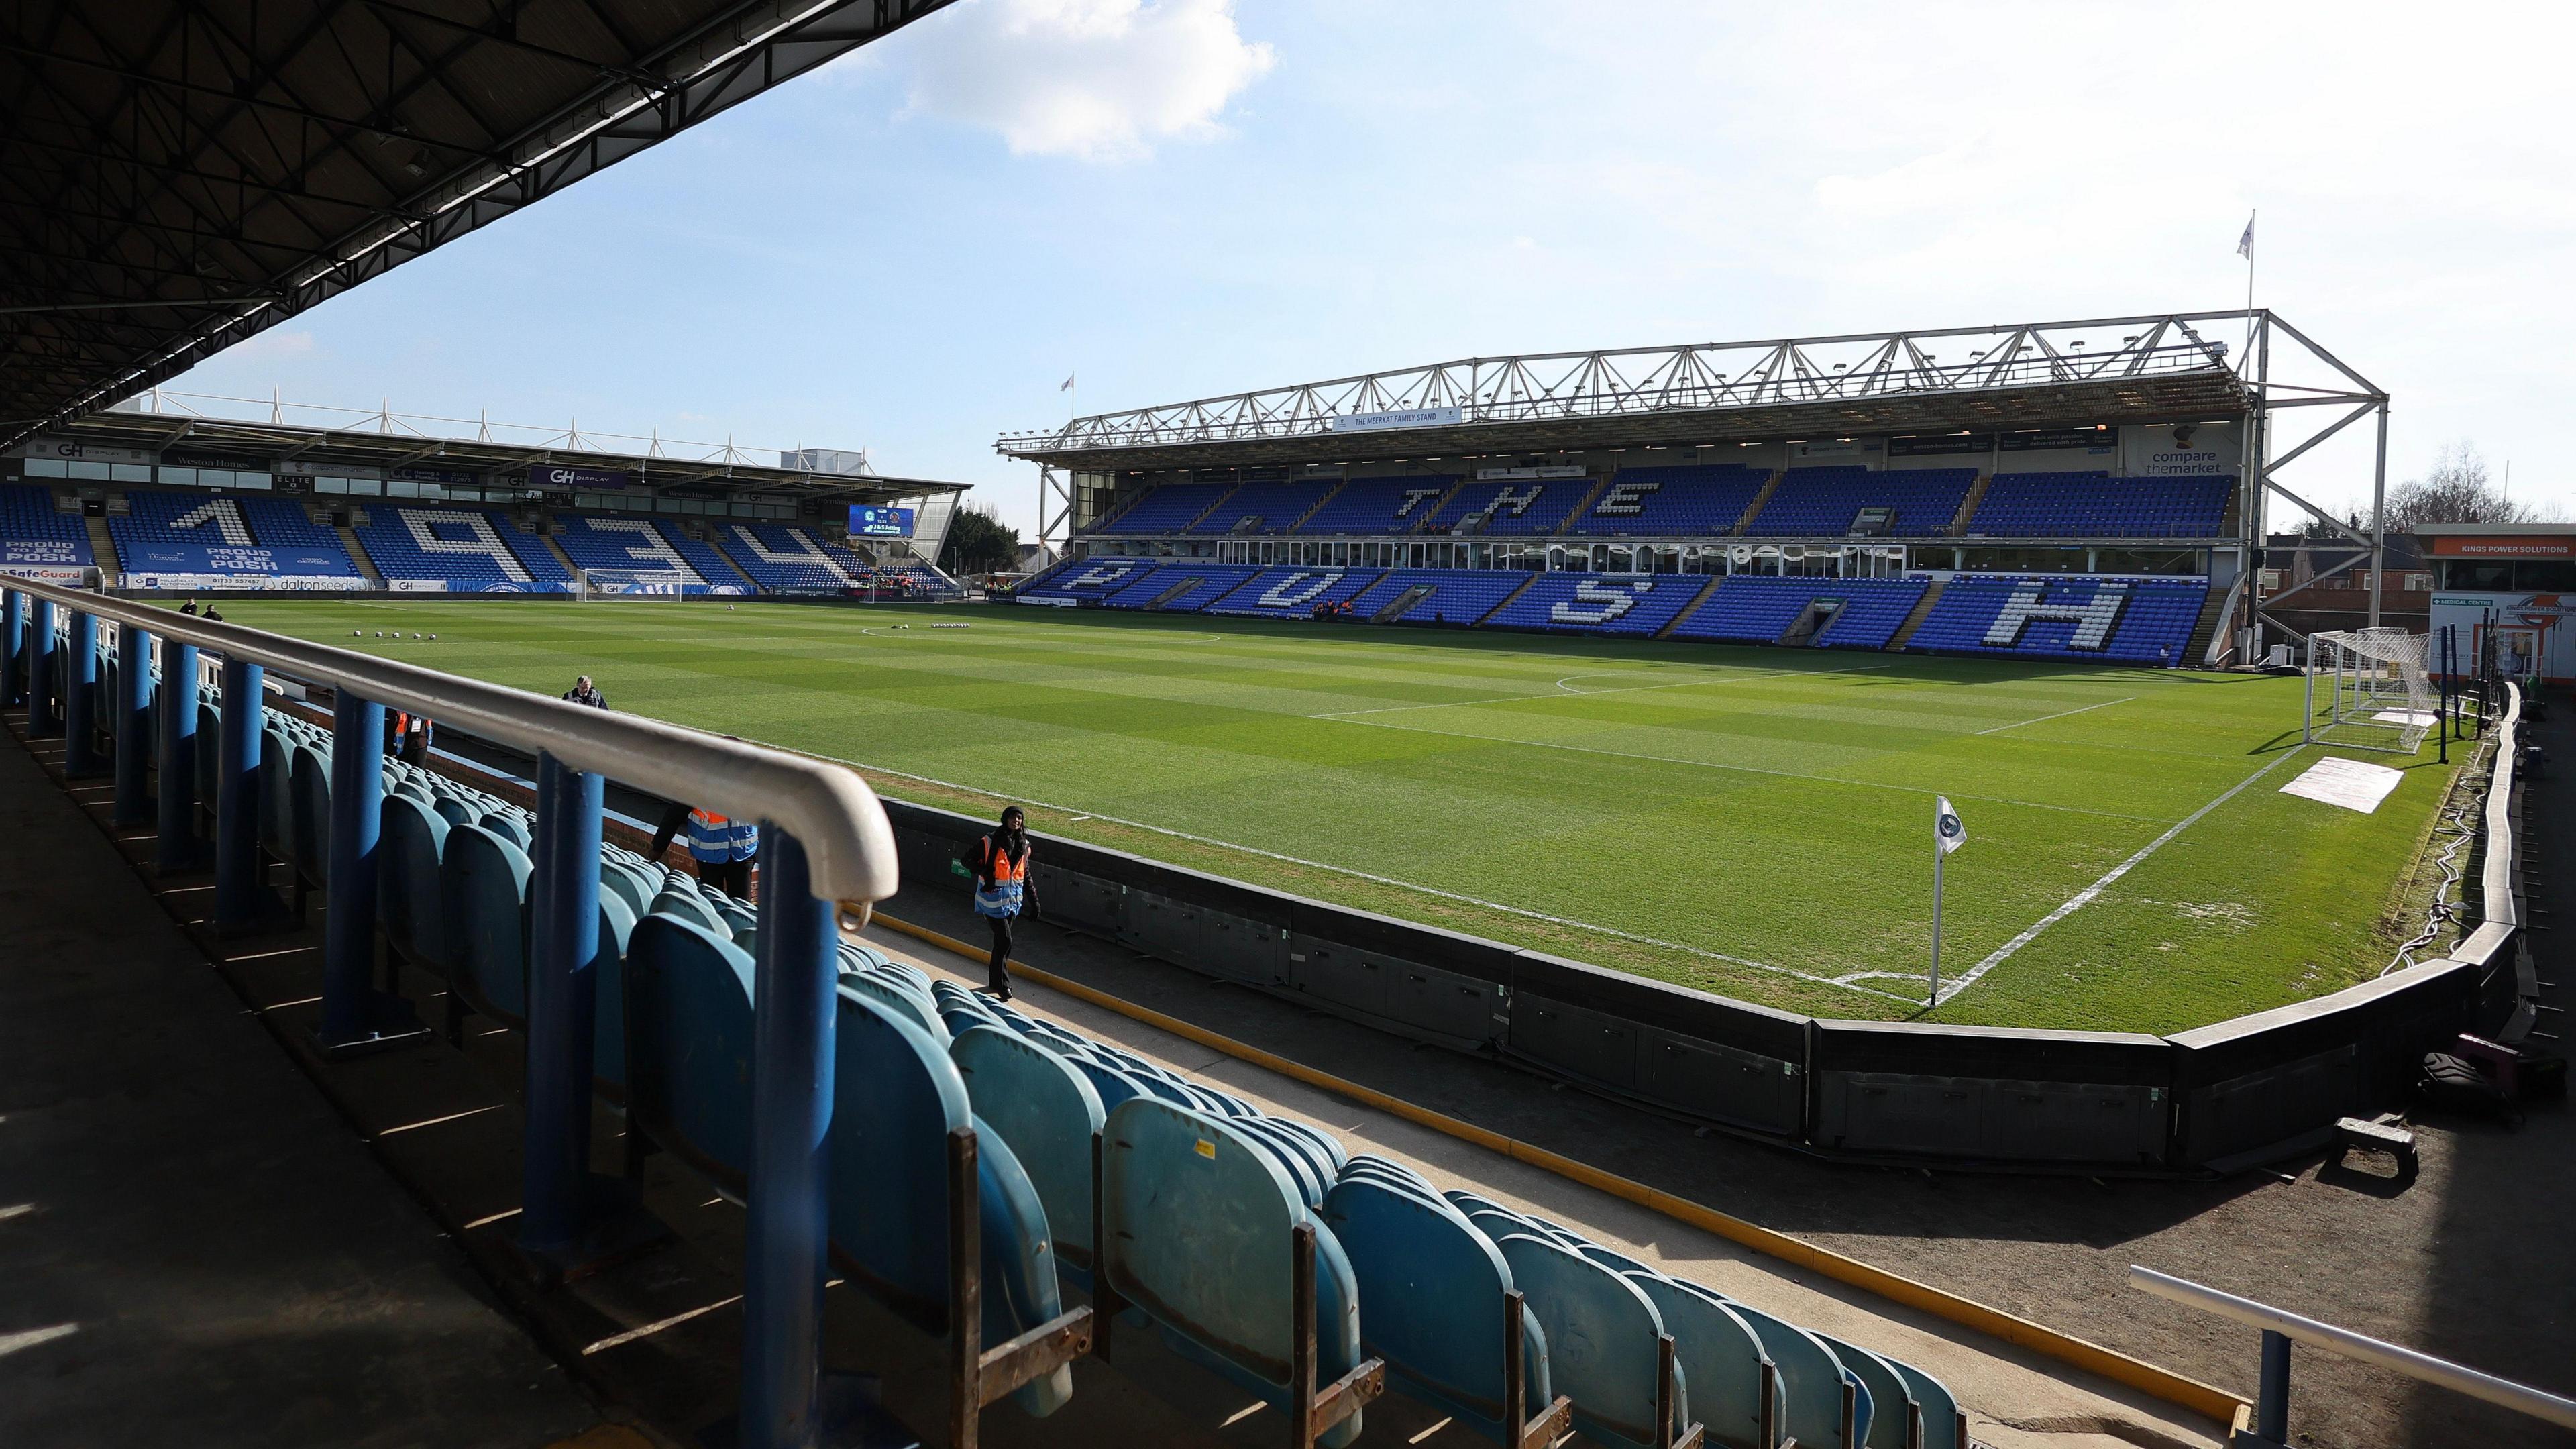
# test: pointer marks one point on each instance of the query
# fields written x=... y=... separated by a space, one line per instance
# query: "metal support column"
x=176 y=798
x=2272 y=1397
x=44 y=711
x=791 y=1124
x=2379 y=517
x=355 y=1016
x=13 y=644
x=80 y=700
x=133 y=725
x=237 y=793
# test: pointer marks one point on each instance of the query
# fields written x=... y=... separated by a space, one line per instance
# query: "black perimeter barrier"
x=2212 y=1100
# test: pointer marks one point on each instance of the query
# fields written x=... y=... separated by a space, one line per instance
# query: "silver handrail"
x=2344 y=1343
x=827 y=807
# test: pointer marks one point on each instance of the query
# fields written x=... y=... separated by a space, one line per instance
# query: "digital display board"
x=869 y=522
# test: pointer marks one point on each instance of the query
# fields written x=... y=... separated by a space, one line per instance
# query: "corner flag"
x=1947 y=832
x=2245 y=243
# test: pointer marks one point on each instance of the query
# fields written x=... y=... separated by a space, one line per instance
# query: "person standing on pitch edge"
x=1004 y=889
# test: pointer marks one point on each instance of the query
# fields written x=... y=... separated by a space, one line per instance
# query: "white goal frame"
x=2376 y=694
x=631 y=585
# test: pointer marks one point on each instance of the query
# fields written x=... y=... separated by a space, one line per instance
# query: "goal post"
x=662 y=585
x=2367 y=690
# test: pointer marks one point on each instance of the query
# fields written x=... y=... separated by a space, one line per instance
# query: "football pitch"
x=1751 y=821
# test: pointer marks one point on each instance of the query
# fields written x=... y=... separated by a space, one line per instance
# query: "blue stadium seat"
x=1458 y=596
x=409 y=902
x=462 y=549
x=1376 y=507
x=1087 y=580
x=484 y=884
x=1431 y=1288
x=1291 y=591
x=221 y=533
x=1047 y=1111
x=2133 y=621
x=643 y=544
x=33 y=534
x=784 y=558
x=1603 y=1340
x=2099 y=505
x=1513 y=506
x=1266 y=508
x=688 y=1047
x=1720 y=1356
x=1214 y=582
x=1584 y=603
x=1167 y=508
x=1811 y=1383
x=1757 y=608
x=1674 y=501
x=1823 y=502
x=1198 y=1230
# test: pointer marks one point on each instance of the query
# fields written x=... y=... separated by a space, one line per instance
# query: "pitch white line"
x=2077 y=901
x=1737 y=769
x=1621 y=689
x=2043 y=719
x=1356 y=874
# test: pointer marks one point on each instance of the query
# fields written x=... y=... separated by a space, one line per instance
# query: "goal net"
x=2367 y=690
x=665 y=585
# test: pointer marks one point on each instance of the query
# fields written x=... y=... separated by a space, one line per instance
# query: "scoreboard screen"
x=881 y=522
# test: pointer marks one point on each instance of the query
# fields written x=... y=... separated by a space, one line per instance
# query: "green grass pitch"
x=1751 y=821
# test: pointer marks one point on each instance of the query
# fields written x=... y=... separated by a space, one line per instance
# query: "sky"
x=911 y=250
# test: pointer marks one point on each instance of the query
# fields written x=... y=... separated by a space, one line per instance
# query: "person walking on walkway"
x=1004 y=890
x=724 y=849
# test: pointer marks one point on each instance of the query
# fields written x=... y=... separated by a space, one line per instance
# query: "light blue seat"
x=484 y=883
x=687 y=1008
x=690 y=907
x=1943 y=1427
x=1719 y=1354
x=509 y=825
x=893 y=998
x=1811 y=1379
x=276 y=797
x=1198 y=1233
x=627 y=883
x=308 y=830
x=409 y=903
x=608 y=995
x=1047 y=1110
x=1431 y=1296
x=896 y=1098
x=1603 y=1340
x=1884 y=1420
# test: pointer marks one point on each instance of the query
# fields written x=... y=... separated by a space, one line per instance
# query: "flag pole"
x=1934 y=999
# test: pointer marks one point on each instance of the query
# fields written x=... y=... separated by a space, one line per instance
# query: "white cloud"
x=1102 y=80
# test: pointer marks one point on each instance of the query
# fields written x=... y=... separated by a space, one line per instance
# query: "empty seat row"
x=459 y=549
x=1828 y=501
x=1295 y=591
x=1266 y=507
x=1674 y=501
x=1755 y=609
x=2134 y=621
x=1181 y=587
x=34 y=534
x=1167 y=508
x=222 y=533
x=784 y=557
x=1584 y=603
x=2099 y=505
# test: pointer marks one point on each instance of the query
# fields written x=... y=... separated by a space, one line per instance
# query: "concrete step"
x=1914 y=620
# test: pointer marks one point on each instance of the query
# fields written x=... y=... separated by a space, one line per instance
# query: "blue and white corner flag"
x=1946 y=829
x=2245 y=243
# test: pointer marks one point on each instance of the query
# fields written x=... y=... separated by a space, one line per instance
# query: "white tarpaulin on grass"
x=2348 y=783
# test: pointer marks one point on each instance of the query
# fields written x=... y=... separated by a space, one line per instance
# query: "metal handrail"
x=2344 y=1343
x=827 y=807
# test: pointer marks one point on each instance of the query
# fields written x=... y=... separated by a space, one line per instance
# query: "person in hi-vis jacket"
x=1004 y=889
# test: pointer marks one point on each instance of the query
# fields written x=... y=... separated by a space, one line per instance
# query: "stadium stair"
x=103 y=548
x=1761 y=500
x=1395 y=607
x=1914 y=620
x=1968 y=506
x=2202 y=629
x=358 y=555
x=717 y=551
x=561 y=557
x=1690 y=608
x=1320 y=504
x=1165 y=596
x=1523 y=588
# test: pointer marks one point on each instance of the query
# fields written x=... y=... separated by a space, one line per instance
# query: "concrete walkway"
x=193 y=1248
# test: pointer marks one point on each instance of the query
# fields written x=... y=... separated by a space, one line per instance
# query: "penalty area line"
x=1356 y=874
x=2078 y=900
x=2062 y=714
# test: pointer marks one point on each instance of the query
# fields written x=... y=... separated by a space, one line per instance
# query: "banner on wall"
x=2035 y=440
x=416 y=586
x=190 y=558
x=2452 y=545
x=44 y=575
x=274 y=583
x=556 y=475
x=39 y=551
x=2532 y=631
x=2175 y=450
x=1400 y=418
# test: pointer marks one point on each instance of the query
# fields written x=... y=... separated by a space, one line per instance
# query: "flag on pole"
x=1947 y=832
x=1067 y=384
x=2245 y=243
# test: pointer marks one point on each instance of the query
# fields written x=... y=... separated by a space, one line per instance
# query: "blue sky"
x=1174 y=198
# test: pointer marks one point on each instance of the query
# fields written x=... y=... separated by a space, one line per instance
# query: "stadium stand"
x=1087 y=579
x=192 y=535
x=1377 y=506
x=1182 y=587
x=1457 y=597
x=465 y=550
x=1681 y=500
x=784 y=558
x=924 y=578
x=1267 y=507
x=1294 y=592
x=1513 y=505
x=1824 y=502
x=2099 y=505
x=1169 y=508
x=1751 y=608
x=1582 y=603
x=2135 y=621
x=640 y=544
x=33 y=534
